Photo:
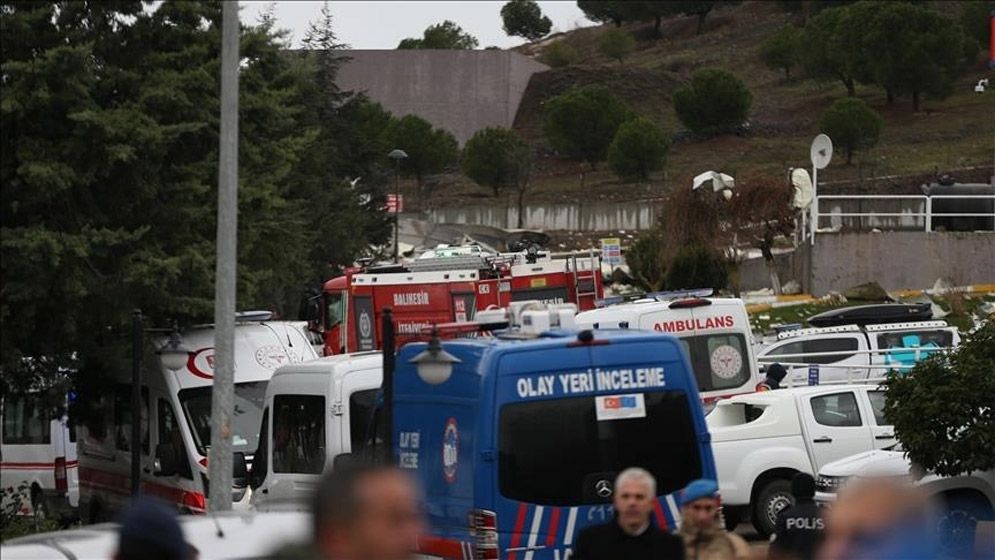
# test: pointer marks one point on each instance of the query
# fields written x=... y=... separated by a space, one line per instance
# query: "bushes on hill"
x=616 y=44
x=638 y=149
x=782 y=50
x=714 y=102
x=558 y=55
x=697 y=266
x=582 y=122
x=852 y=125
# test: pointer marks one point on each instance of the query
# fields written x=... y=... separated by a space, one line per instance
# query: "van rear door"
x=568 y=420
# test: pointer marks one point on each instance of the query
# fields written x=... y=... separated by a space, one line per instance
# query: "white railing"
x=802 y=379
x=923 y=210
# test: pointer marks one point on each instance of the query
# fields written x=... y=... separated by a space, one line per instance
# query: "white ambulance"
x=175 y=416
x=313 y=412
x=715 y=333
x=38 y=457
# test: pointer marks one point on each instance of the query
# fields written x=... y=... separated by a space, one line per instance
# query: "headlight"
x=829 y=484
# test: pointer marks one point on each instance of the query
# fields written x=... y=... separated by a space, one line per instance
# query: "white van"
x=715 y=333
x=38 y=455
x=857 y=353
x=313 y=412
x=176 y=414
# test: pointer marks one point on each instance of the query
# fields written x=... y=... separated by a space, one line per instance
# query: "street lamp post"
x=397 y=155
x=137 y=342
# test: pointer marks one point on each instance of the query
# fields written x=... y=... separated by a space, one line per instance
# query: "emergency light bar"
x=677 y=294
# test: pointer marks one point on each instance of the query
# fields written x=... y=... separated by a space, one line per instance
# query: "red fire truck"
x=444 y=289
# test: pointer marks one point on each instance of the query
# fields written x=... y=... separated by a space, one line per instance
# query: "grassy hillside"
x=948 y=134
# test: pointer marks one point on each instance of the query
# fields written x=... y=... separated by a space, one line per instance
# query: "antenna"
x=820 y=153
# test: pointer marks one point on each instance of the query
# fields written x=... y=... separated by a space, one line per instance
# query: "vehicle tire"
x=957 y=521
x=94 y=513
x=733 y=516
x=770 y=500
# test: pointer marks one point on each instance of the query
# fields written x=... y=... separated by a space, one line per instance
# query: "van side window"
x=169 y=432
x=815 y=346
x=123 y=418
x=362 y=406
x=25 y=421
x=298 y=434
x=837 y=410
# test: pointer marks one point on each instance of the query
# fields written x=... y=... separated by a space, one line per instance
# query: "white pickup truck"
x=761 y=440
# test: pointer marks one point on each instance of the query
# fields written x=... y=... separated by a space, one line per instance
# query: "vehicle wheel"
x=733 y=516
x=94 y=513
x=958 y=521
x=771 y=499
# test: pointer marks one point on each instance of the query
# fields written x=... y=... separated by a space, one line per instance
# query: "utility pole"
x=137 y=345
x=219 y=457
x=387 y=385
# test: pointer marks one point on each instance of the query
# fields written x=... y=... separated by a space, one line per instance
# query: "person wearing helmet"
x=704 y=536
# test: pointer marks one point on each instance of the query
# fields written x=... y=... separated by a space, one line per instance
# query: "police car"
x=517 y=439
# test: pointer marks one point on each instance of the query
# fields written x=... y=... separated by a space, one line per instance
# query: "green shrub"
x=697 y=266
x=558 y=55
x=852 y=125
x=582 y=122
x=714 y=102
x=617 y=44
x=639 y=148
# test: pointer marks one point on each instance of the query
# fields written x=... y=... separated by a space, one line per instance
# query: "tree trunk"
x=849 y=155
x=787 y=73
x=618 y=22
x=915 y=100
x=891 y=96
x=656 y=25
x=701 y=22
x=521 y=205
x=851 y=87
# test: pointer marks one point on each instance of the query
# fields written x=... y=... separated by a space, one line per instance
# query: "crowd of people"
x=367 y=511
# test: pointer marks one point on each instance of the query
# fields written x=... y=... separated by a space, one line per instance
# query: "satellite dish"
x=804 y=193
x=821 y=152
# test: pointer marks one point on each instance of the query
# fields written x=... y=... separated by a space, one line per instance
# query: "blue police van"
x=518 y=448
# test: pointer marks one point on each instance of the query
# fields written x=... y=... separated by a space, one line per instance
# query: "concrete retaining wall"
x=896 y=260
x=597 y=216
x=459 y=91
x=901 y=259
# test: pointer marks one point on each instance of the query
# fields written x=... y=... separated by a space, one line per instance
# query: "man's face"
x=390 y=520
x=633 y=502
x=702 y=512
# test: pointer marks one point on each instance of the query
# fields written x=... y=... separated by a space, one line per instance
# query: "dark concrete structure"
x=459 y=91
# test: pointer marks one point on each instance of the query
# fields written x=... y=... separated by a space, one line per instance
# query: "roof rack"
x=817 y=330
x=910 y=325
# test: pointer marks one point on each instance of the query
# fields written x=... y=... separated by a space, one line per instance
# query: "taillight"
x=483 y=528
x=689 y=303
x=61 y=480
x=203 y=462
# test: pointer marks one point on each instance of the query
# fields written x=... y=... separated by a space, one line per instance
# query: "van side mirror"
x=240 y=470
x=166 y=462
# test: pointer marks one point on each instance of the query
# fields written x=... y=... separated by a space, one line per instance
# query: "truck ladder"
x=584 y=278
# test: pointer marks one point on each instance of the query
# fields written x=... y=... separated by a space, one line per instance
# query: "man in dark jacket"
x=799 y=529
x=632 y=535
x=775 y=374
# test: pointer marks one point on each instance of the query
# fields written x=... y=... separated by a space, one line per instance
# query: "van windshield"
x=249 y=399
x=555 y=452
x=719 y=361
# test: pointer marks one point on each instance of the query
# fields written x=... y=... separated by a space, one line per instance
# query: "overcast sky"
x=382 y=24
